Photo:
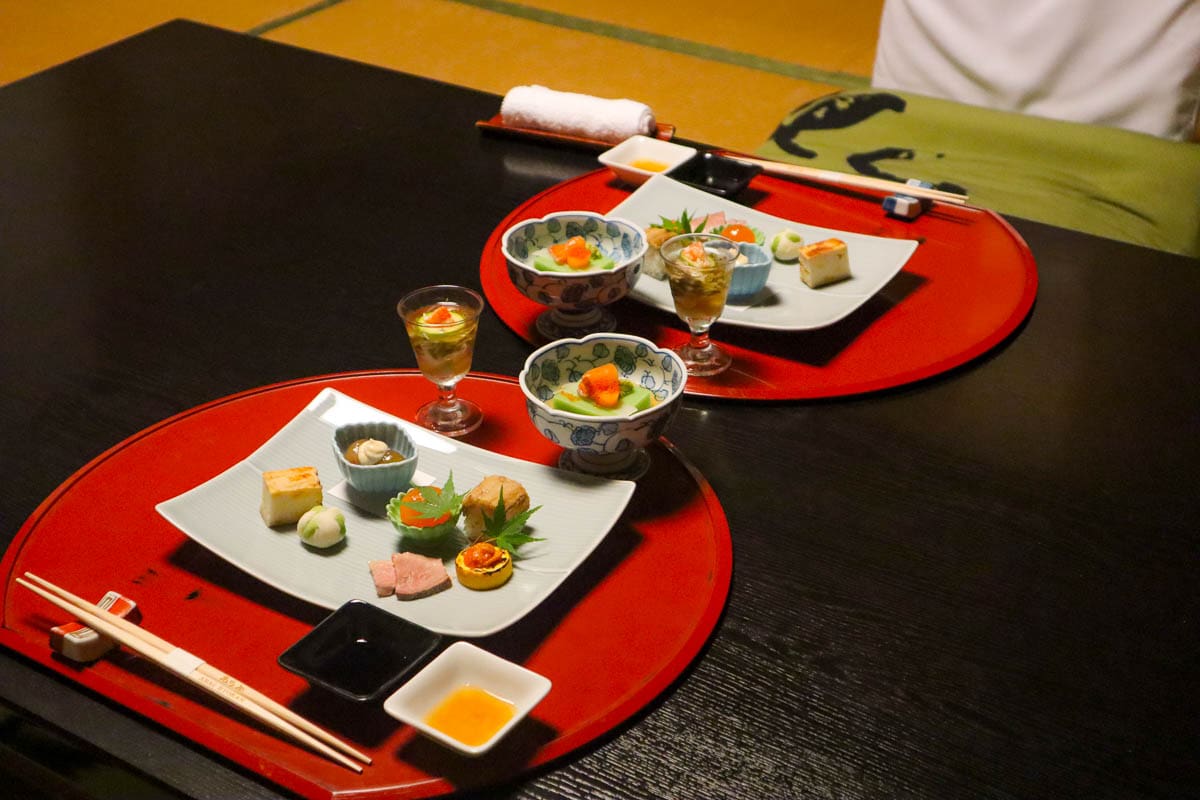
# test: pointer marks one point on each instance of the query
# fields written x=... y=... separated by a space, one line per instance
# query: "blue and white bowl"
x=576 y=299
x=749 y=278
x=608 y=446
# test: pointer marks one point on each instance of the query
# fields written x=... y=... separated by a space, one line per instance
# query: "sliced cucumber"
x=544 y=262
x=601 y=261
x=638 y=396
x=633 y=399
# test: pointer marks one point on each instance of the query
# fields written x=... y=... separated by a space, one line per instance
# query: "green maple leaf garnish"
x=677 y=226
x=434 y=504
x=508 y=534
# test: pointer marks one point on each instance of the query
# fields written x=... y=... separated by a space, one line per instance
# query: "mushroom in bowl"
x=575 y=262
x=562 y=379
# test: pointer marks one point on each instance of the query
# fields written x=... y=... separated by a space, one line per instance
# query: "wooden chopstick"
x=208 y=669
x=847 y=179
x=197 y=672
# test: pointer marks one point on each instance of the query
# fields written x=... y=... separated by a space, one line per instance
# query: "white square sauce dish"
x=638 y=157
x=467 y=698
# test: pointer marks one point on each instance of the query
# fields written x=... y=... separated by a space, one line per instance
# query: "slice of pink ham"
x=384 y=576
x=418 y=576
x=707 y=223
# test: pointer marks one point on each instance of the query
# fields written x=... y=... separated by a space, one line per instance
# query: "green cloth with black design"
x=1105 y=181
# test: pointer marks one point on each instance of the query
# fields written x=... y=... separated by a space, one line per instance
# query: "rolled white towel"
x=575 y=114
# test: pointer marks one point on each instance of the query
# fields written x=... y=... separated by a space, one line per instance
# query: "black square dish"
x=360 y=651
x=716 y=174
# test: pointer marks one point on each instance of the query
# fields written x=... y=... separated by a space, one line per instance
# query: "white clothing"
x=1132 y=64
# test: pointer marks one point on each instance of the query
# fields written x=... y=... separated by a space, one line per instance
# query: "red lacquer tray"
x=496 y=125
x=968 y=286
x=611 y=638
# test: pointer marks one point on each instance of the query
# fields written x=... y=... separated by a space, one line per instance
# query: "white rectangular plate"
x=222 y=515
x=786 y=304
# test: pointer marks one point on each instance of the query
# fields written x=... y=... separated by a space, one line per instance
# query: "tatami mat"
x=469 y=44
x=720 y=72
x=38 y=34
x=794 y=35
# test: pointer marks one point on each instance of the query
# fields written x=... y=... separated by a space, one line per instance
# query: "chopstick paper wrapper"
x=197 y=671
x=574 y=118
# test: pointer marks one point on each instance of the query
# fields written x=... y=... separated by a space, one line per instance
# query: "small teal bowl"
x=377 y=478
x=610 y=446
x=749 y=278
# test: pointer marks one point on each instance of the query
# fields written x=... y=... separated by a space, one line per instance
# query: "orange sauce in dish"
x=648 y=164
x=471 y=715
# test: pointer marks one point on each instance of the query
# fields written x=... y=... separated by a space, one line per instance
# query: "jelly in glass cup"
x=442 y=322
x=699 y=268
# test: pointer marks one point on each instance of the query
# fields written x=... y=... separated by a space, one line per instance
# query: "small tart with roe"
x=483 y=566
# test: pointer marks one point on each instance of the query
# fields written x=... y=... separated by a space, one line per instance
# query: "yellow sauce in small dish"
x=648 y=164
x=471 y=715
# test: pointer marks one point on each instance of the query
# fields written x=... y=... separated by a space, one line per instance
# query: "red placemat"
x=970 y=284
x=611 y=638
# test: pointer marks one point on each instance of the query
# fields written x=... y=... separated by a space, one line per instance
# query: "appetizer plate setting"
x=785 y=303
x=222 y=514
x=570 y=643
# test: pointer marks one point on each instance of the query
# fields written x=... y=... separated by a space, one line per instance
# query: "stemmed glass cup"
x=441 y=322
x=699 y=267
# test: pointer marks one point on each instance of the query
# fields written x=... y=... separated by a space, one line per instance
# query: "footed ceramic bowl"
x=378 y=478
x=749 y=278
x=576 y=299
x=612 y=446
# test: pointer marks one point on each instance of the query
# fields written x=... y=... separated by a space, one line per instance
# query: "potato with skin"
x=785 y=245
x=322 y=526
x=481 y=503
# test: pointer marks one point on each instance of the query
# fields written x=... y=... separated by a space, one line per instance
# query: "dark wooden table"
x=980 y=586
